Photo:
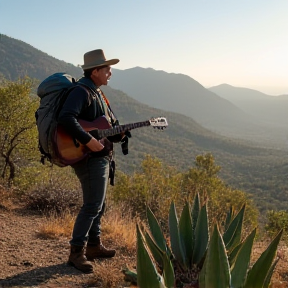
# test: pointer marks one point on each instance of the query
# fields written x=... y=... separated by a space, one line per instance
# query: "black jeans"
x=93 y=174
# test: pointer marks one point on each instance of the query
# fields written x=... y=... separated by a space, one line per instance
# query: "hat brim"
x=104 y=63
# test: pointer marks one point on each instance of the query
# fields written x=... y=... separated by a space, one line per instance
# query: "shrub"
x=157 y=184
x=277 y=220
x=57 y=189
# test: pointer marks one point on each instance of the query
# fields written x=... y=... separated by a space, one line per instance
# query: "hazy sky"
x=242 y=43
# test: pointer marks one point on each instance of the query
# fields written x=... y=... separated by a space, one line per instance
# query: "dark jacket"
x=83 y=102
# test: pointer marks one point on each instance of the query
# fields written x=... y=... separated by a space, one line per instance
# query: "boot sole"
x=99 y=257
x=69 y=263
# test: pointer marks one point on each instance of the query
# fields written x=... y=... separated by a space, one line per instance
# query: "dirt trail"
x=28 y=261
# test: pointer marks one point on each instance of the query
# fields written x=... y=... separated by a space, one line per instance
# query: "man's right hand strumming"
x=95 y=145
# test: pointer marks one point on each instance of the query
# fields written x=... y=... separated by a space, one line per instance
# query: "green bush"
x=157 y=184
x=277 y=220
x=18 y=135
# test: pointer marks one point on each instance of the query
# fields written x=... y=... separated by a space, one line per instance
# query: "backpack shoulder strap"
x=88 y=90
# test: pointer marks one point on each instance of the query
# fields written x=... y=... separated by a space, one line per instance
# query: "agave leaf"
x=186 y=233
x=269 y=275
x=176 y=245
x=130 y=275
x=201 y=236
x=232 y=235
x=233 y=254
x=195 y=211
x=147 y=276
x=194 y=216
x=240 y=268
x=260 y=270
x=229 y=217
x=168 y=272
x=156 y=230
x=155 y=250
x=216 y=271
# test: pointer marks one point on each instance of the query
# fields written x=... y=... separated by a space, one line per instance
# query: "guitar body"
x=69 y=150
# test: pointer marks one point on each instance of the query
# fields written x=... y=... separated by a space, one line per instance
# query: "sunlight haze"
x=241 y=43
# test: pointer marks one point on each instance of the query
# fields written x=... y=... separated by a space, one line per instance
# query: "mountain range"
x=218 y=109
x=200 y=121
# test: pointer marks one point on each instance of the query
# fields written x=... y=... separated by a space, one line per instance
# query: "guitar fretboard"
x=102 y=133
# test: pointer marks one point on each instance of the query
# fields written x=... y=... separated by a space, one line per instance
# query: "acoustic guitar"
x=69 y=151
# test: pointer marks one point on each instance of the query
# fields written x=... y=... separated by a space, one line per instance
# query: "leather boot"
x=97 y=250
x=78 y=259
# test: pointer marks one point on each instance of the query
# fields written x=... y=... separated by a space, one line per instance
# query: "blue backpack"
x=53 y=92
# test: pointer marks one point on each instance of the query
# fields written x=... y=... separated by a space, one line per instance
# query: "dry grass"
x=108 y=273
x=6 y=198
x=116 y=228
x=118 y=232
x=56 y=225
x=119 y=227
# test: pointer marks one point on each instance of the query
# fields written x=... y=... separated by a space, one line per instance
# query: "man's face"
x=101 y=76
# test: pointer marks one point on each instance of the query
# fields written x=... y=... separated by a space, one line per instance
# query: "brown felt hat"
x=97 y=58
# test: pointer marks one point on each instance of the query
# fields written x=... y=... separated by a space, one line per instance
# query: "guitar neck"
x=102 y=133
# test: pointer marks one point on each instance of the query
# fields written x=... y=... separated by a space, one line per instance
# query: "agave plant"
x=192 y=258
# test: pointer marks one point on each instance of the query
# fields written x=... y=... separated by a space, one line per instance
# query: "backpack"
x=53 y=92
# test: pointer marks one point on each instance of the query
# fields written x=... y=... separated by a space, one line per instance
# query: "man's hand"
x=94 y=145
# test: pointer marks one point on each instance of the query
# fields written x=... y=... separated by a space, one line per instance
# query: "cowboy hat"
x=97 y=58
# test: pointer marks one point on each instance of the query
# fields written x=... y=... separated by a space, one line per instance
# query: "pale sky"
x=243 y=43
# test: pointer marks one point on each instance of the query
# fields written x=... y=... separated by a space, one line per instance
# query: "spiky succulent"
x=196 y=258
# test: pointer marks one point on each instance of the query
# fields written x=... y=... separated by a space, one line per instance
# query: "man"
x=87 y=102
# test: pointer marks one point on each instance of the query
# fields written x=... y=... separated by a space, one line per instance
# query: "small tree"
x=17 y=122
x=155 y=186
x=203 y=179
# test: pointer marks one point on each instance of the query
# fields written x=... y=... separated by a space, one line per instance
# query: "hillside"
x=18 y=59
x=261 y=172
x=256 y=170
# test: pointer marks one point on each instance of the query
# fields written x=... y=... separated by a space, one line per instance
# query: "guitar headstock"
x=159 y=122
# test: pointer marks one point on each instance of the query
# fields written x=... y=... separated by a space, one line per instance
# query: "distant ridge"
x=273 y=110
x=18 y=58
